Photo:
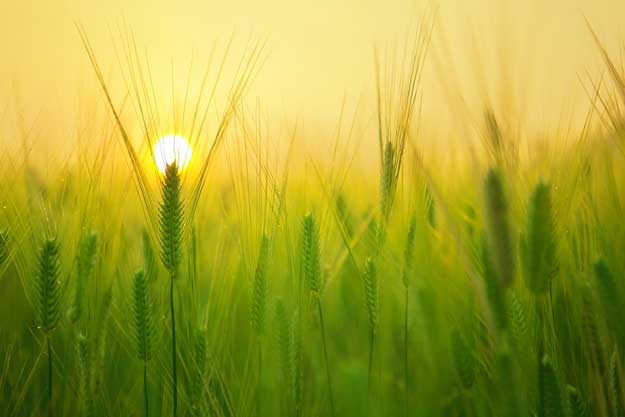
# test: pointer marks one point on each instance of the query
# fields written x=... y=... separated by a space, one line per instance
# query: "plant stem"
x=173 y=345
x=145 y=388
x=406 y=353
x=49 y=347
x=325 y=355
x=370 y=371
x=540 y=353
x=260 y=378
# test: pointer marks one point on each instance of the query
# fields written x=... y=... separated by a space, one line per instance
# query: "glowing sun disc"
x=172 y=148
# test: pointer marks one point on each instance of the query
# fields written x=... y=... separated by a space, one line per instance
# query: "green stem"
x=325 y=355
x=260 y=378
x=540 y=348
x=49 y=347
x=370 y=371
x=145 y=388
x=173 y=346
x=406 y=353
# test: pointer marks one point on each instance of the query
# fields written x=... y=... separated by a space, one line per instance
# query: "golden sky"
x=317 y=51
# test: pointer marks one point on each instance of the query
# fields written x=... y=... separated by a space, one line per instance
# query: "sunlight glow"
x=172 y=148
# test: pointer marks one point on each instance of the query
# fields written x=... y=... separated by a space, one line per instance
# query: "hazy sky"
x=317 y=51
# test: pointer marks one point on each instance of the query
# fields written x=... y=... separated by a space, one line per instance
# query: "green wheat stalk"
x=48 y=300
x=143 y=326
x=171 y=224
x=311 y=258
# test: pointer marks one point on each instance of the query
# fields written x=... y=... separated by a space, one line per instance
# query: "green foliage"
x=538 y=246
x=48 y=287
x=260 y=290
x=499 y=234
x=171 y=221
x=142 y=314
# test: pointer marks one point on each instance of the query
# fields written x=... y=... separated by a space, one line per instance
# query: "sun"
x=172 y=148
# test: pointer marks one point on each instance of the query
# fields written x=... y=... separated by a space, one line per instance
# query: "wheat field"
x=261 y=270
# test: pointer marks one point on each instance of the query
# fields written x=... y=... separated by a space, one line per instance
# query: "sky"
x=319 y=54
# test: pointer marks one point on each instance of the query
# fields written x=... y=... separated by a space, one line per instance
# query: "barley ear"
x=499 y=235
x=311 y=253
x=517 y=319
x=538 y=246
x=171 y=221
x=409 y=250
x=142 y=316
x=387 y=179
x=370 y=281
x=48 y=288
x=577 y=407
x=463 y=359
x=260 y=292
x=85 y=262
x=549 y=390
